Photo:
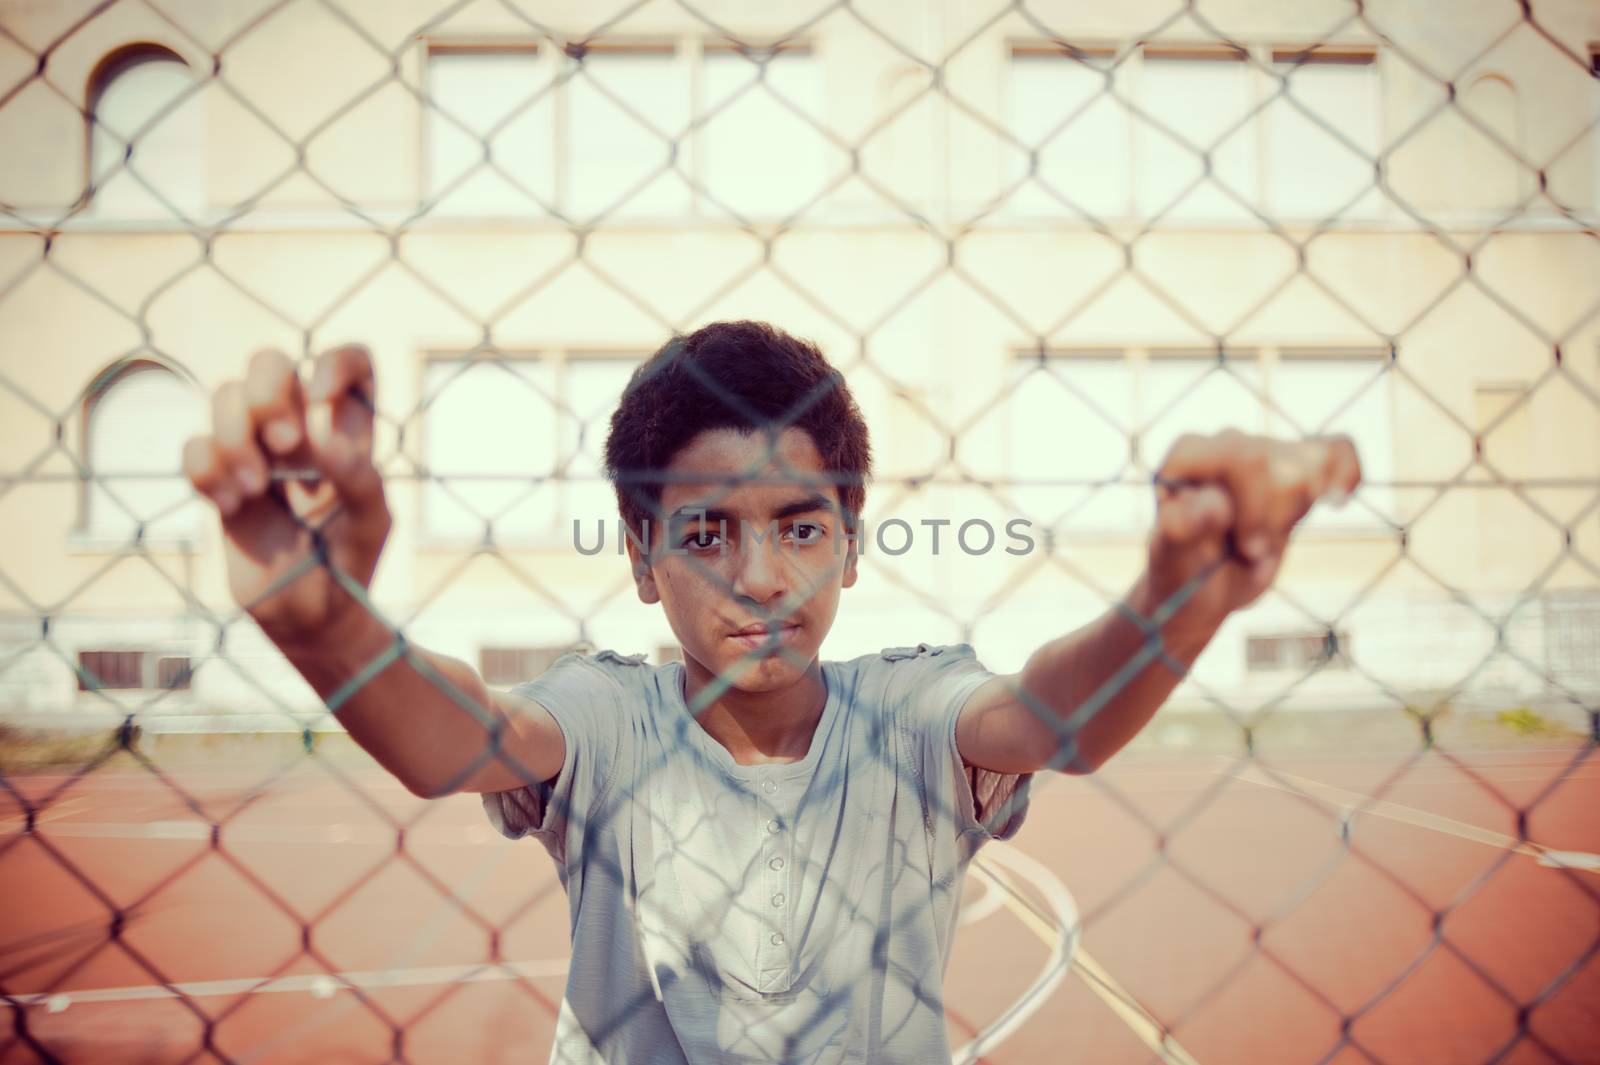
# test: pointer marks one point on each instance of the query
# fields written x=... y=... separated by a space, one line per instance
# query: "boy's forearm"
x=426 y=722
x=1114 y=662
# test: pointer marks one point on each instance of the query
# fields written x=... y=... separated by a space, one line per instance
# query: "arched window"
x=147 y=135
x=136 y=419
x=1487 y=178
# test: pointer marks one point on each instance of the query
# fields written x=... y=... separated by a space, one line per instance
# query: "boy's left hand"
x=1234 y=497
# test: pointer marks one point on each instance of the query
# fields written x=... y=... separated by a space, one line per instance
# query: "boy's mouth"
x=760 y=635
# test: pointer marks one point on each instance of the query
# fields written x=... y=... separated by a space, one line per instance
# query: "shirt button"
x=773 y=827
x=777 y=939
x=769 y=785
x=776 y=863
x=777 y=900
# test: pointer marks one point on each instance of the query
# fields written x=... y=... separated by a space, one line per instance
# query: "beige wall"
x=917 y=321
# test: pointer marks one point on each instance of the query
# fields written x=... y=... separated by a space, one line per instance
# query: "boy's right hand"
x=282 y=461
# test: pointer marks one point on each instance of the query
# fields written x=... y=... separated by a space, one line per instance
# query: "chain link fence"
x=1037 y=243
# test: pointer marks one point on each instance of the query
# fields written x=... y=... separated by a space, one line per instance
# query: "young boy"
x=763 y=851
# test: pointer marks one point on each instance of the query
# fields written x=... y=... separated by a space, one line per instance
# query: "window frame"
x=1570 y=629
x=1267 y=360
x=518 y=656
x=105 y=72
x=1144 y=133
x=1321 y=54
x=1024 y=363
x=1522 y=184
x=1091 y=53
x=428 y=46
x=1362 y=525
x=1258 y=664
x=152 y=662
x=1260 y=59
x=690 y=50
x=82 y=535
x=698 y=48
x=558 y=359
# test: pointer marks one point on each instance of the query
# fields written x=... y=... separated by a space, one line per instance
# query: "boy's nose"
x=759 y=573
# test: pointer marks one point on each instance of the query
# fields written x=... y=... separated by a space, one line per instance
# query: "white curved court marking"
x=1144 y=1024
x=1062 y=939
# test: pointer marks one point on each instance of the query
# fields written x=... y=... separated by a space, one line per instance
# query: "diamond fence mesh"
x=1038 y=245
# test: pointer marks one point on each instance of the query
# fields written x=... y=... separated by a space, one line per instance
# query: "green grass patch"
x=1525 y=721
x=27 y=749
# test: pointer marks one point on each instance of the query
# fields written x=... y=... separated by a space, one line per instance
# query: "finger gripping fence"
x=1042 y=246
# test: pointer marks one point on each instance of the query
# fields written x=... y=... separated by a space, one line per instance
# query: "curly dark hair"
x=748 y=376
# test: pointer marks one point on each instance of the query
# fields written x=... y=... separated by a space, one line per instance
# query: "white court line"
x=1349 y=801
x=1150 y=781
x=1062 y=939
x=1121 y=1002
x=1497 y=778
x=986 y=905
x=318 y=985
x=19 y=822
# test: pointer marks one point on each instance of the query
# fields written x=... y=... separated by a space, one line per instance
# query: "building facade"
x=1039 y=241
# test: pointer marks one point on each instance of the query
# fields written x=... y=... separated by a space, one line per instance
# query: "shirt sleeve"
x=981 y=803
x=587 y=704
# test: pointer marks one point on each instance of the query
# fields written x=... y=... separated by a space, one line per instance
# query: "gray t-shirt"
x=798 y=912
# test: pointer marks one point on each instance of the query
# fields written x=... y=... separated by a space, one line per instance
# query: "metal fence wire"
x=223 y=205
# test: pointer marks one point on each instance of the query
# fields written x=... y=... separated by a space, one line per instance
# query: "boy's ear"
x=850 y=564
x=644 y=579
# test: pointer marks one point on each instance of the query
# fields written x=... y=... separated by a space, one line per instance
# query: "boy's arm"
x=304 y=521
x=429 y=719
x=1226 y=507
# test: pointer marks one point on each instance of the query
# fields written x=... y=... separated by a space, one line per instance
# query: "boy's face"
x=751 y=558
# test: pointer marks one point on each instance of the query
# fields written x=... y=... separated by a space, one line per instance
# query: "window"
x=1320 y=391
x=593 y=387
x=603 y=127
x=1467 y=158
x=489 y=447
x=760 y=158
x=1070 y=418
x=1484 y=176
x=1297 y=652
x=1195 y=95
x=137 y=418
x=1507 y=444
x=147 y=136
x=1060 y=105
x=133 y=670
x=501 y=114
x=504 y=667
x=512 y=444
x=627 y=106
x=1572 y=638
x=494 y=100
x=1095 y=153
x=1311 y=171
x=1192 y=392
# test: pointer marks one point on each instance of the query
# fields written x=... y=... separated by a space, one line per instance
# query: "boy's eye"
x=806 y=532
x=702 y=538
